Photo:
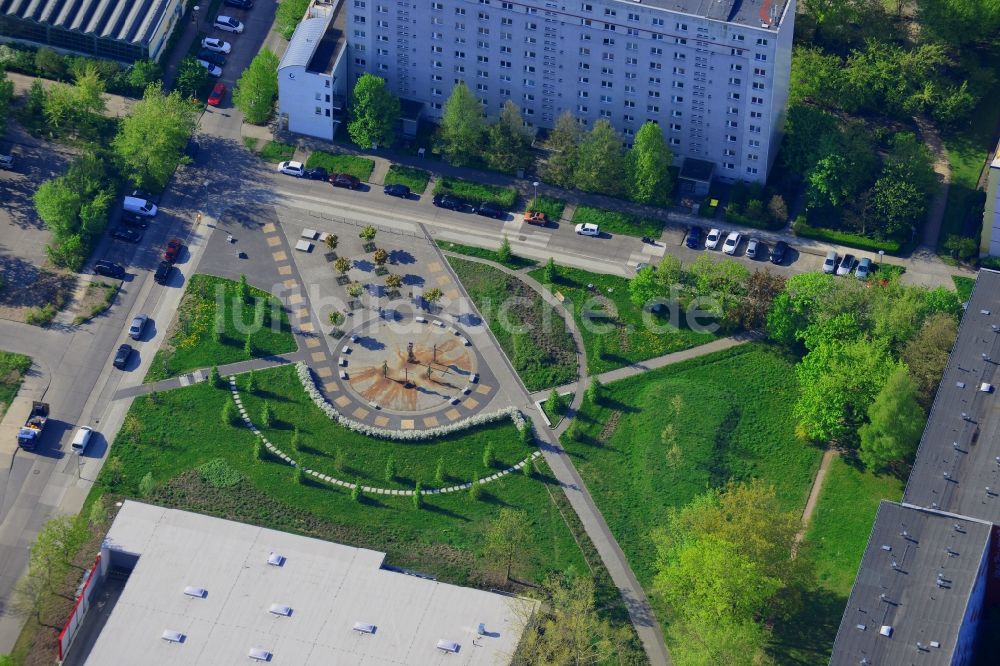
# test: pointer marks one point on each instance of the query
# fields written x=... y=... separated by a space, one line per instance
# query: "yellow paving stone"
x=279 y=255
x=269 y=228
x=284 y=270
x=312 y=343
x=406 y=424
x=318 y=357
x=331 y=387
x=359 y=413
x=470 y=403
x=307 y=327
x=324 y=372
x=452 y=414
x=381 y=421
x=296 y=299
x=442 y=280
x=273 y=240
x=483 y=389
x=430 y=421
x=451 y=293
x=434 y=267
x=302 y=313
x=342 y=401
x=290 y=284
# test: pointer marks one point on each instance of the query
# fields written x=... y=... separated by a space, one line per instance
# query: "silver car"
x=752 y=248
x=830 y=263
x=137 y=327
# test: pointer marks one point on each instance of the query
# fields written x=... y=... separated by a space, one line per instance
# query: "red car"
x=173 y=250
x=218 y=92
x=344 y=180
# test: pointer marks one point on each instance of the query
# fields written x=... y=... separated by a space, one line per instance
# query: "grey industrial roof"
x=917 y=577
x=328 y=587
x=744 y=12
x=134 y=21
x=957 y=468
x=316 y=42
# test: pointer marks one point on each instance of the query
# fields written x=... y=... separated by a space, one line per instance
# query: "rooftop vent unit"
x=276 y=560
x=960 y=384
x=886 y=630
x=197 y=592
x=448 y=646
x=860 y=627
x=935 y=644
x=886 y=547
x=278 y=609
x=986 y=387
x=364 y=628
x=259 y=654
x=922 y=647
x=171 y=636
x=984 y=312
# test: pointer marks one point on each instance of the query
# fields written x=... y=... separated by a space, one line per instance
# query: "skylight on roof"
x=276 y=560
x=448 y=646
x=278 y=609
x=198 y=592
x=260 y=654
x=172 y=636
x=364 y=627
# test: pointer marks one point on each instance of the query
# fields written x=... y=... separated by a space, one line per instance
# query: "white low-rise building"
x=990 y=244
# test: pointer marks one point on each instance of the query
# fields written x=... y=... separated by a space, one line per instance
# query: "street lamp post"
x=535 y=185
x=881 y=253
x=194 y=14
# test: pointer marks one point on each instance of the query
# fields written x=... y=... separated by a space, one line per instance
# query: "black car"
x=122 y=356
x=109 y=269
x=450 y=202
x=135 y=221
x=163 y=272
x=316 y=173
x=212 y=57
x=401 y=191
x=488 y=209
x=694 y=237
x=128 y=235
x=778 y=252
x=241 y=4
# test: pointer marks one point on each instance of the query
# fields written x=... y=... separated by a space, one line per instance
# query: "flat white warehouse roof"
x=329 y=588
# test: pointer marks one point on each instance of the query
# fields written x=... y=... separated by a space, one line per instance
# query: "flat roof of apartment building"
x=318 y=39
x=756 y=13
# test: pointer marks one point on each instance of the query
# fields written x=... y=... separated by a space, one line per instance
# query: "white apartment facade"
x=713 y=74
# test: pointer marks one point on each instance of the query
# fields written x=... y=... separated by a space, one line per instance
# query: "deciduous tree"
x=462 y=126
x=374 y=112
x=151 y=139
x=191 y=78
x=895 y=422
x=509 y=141
x=257 y=88
x=644 y=287
x=927 y=354
x=506 y=539
x=649 y=163
x=563 y=146
x=600 y=161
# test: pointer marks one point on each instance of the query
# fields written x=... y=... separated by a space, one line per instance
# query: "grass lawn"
x=552 y=207
x=963 y=285
x=165 y=436
x=515 y=262
x=276 y=152
x=192 y=343
x=96 y=300
x=530 y=331
x=659 y=439
x=555 y=415
x=352 y=165
x=619 y=330
x=505 y=197
x=12 y=369
x=415 y=179
x=613 y=222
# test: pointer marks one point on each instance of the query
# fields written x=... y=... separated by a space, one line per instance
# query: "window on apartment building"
x=680 y=56
x=460 y=55
x=482 y=87
x=732 y=123
x=360 y=62
x=437 y=6
x=675 y=127
x=609 y=41
x=677 y=99
x=360 y=34
x=758 y=85
x=678 y=84
x=756 y=100
x=629 y=104
x=652 y=108
x=735 y=96
x=737 y=37
x=360 y=4
x=760 y=57
x=761 y=41
x=736 y=52
x=531 y=25
x=629 y=89
x=731 y=138
x=319 y=111
x=359 y=19
x=383 y=24
x=581 y=108
x=437 y=20
x=530 y=54
x=506 y=5
x=680 y=40
x=682 y=26
x=631 y=61
x=679 y=70
x=751 y=170
x=483 y=16
x=658 y=21
x=606 y=99
x=655 y=66
x=587 y=7
x=676 y=113
x=633 y=17
x=674 y=141
x=755 y=129
x=759 y=71
x=529 y=69
x=460 y=11
x=482 y=74
x=482 y=58
x=654 y=93
x=607 y=84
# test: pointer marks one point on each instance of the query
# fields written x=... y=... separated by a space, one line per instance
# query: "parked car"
x=137 y=327
x=134 y=221
x=778 y=252
x=212 y=57
x=163 y=272
x=173 y=250
x=732 y=242
x=752 y=246
x=694 y=235
x=218 y=92
x=122 y=356
x=216 y=44
x=317 y=173
x=846 y=265
x=396 y=190
x=344 y=180
x=109 y=269
x=212 y=70
x=830 y=263
x=140 y=206
x=712 y=240
x=127 y=235
x=229 y=24
x=450 y=202
x=864 y=269
x=240 y=4
x=81 y=439
x=289 y=168
x=588 y=229
x=536 y=217
x=487 y=209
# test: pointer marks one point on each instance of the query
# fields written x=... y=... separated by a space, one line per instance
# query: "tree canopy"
x=563 y=143
x=462 y=126
x=649 y=163
x=600 y=161
x=374 y=112
x=257 y=88
x=509 y=141
x=895 y=423
x=151 y=139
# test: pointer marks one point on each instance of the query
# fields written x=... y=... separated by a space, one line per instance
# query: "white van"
x=81 y=439
x=140 y=206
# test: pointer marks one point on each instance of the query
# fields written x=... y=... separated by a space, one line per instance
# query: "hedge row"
x=505 y=197
x=802 y=228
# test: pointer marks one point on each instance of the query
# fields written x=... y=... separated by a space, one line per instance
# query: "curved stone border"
x=309 y=384
x=367 y=489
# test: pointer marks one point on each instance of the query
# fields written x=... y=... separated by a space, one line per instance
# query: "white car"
x=81 y=439
x=229 y=24
x=296 y=169
x=213 y=70
x=752 y=245
x=830 y=263
x=712 y=240
x=215 y=44
x=137 y=327
x=732 y=242
x=588 y=229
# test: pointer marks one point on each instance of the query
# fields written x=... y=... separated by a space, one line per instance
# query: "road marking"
x=184 y=380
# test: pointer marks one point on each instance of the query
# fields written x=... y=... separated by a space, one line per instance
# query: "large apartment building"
x=712 y=73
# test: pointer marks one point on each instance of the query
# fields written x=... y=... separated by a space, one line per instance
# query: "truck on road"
x=31 y=431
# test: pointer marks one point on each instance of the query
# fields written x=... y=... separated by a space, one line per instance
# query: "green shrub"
x=552 y=207
x=146 y=485
x=359 y=167
x=802 y=228
x=289 y=13
x=618 y=223
x=418 y=496
x=276 y=152
x=415 y=179
x=476 y=488
x=505 y=197
x=41 y=316
x=489 y=456
x=218 y=474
